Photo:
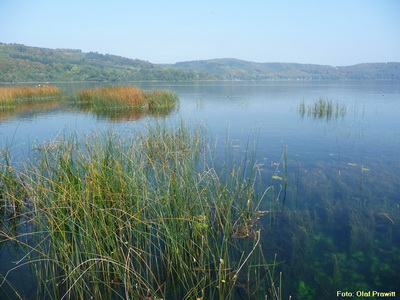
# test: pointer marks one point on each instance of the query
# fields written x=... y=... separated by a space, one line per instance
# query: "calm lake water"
x=337 y=226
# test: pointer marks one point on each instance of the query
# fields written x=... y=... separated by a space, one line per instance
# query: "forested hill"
x=20 y=63
x=245 y=70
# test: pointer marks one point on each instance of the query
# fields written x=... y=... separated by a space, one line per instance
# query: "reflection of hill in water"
x=28 y=110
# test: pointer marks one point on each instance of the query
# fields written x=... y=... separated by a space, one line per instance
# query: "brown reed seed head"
x=12 y=93
x=127 y=94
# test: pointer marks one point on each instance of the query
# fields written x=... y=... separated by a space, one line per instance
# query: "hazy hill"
x=23 y=63
x=231 y=68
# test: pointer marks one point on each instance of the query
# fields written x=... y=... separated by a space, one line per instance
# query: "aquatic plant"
x=140 y=217
x=127 y=114
x=322 y=108
x=11 y=96
x=123 y=97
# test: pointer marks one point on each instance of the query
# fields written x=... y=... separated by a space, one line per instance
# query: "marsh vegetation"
x=138 y=217
x=125 y=102
x=323 y=108
x=127 y=97
x=13 y=96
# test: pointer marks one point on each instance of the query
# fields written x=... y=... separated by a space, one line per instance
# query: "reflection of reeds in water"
x=11 y=111
x=139 y=217
x=322 y=109
x=11 y=96
x=127 y=114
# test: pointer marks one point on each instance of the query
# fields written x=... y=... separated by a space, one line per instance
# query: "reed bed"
x=139 y=217
x=122 y=97
x=128 y=114
x=10 y=96
x=323 y=109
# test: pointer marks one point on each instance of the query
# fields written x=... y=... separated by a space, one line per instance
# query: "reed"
x=322 y=109
x=15 y=95
x=140 y=217
x=122 y=97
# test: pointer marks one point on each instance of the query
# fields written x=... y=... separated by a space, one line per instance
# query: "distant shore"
x=22 y=64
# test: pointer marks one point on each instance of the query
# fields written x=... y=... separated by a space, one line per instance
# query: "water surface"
x=337 y=225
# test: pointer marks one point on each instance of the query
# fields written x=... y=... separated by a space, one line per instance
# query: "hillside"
x=244 y=70
x=20 y=63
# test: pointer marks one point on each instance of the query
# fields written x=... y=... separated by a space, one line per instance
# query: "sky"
x=327 y=32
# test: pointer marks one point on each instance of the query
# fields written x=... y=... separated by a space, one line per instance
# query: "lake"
x=336 y=177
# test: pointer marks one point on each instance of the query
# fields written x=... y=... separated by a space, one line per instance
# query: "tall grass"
x=119 y=114
x=322 y=109
x=14 y=95
x=140 y=217
x=122 y=97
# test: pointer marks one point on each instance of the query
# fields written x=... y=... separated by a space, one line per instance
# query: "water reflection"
x=28 y=110
x=117 y=115
x=31 y=110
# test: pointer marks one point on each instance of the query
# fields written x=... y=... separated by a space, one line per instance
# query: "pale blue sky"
x=332 y=32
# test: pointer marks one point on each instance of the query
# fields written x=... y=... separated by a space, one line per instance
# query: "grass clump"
x=11 y=96
x=139 y=217
x=122 y=97
x=322 y=109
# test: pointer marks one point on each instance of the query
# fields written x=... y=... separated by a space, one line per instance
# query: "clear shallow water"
x=338 y=225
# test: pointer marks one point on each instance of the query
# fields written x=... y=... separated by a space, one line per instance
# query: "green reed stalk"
x=141 y=216
x=322 y=109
